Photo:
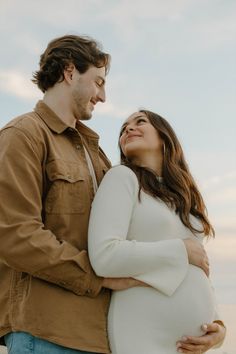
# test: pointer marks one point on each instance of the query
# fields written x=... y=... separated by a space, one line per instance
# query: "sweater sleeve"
x=217 y=317
x=161 y=264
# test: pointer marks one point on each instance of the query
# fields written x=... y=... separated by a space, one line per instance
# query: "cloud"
x=170 y=25
x=18 y=85
x=219 y=31
x=111 y=110
x=214 y=181
x=73 y=12
x=189 y=21
x=222 y=248
x=220 y=190
x=221 y=205
x=223 y=195
x=28 y=42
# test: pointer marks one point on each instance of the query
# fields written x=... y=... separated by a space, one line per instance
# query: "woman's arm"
x=112 y=255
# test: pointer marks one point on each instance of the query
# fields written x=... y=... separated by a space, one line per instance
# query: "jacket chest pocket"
x=68 y=192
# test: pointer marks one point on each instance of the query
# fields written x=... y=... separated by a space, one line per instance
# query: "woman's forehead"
x=135 y=115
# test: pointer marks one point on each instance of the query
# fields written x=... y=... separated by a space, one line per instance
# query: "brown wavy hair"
x=82 y=51
x=179 y=190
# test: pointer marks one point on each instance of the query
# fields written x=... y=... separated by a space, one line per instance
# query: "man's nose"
x=102 y=95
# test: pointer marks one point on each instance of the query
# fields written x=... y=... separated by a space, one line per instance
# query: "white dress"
x=143 y=240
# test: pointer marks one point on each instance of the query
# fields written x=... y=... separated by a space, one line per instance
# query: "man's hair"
x=82 y=51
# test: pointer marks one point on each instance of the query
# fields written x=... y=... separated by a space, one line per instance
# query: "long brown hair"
x=179 y=190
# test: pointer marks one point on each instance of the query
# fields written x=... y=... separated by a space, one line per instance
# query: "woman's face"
x=139 y=137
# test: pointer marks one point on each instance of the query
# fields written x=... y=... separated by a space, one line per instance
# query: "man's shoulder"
x=25 y=121
x=28 y=124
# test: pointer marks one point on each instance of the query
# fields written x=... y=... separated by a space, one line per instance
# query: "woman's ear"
x=163 y=148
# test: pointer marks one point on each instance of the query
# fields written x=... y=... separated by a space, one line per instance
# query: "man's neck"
x=60 y=106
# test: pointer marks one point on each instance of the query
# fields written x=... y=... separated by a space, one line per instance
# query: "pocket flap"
x=63 y=170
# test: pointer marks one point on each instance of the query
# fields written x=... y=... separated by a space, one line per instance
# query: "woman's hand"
x=197 y=254
x=122 y=283
x=215 y=334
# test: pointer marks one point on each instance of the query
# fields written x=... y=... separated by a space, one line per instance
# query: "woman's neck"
x=150 y=162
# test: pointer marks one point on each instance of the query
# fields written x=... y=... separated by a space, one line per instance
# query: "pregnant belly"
x=146 y=312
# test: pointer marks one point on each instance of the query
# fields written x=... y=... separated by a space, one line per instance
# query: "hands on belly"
x=215 y=334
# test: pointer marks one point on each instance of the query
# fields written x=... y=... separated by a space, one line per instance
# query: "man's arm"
x=25 y=244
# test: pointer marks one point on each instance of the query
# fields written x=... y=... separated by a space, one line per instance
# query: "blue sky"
x=175 y=57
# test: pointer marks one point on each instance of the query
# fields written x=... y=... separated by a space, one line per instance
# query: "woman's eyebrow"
x=125 y=124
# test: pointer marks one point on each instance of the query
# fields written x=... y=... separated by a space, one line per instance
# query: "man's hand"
x=122 y=283
x=197 y=255
x=215 y=334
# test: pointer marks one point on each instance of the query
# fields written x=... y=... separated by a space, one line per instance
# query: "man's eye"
x=99 y=83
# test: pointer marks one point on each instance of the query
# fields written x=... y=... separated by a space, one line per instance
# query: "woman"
x=151 y=200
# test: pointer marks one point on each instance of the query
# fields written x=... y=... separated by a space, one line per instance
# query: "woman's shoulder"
x=120 y=176
x=122 y=171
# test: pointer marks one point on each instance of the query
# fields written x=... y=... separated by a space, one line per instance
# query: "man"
x=51 y=301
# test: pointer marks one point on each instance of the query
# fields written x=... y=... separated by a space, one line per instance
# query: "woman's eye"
x=141 y=120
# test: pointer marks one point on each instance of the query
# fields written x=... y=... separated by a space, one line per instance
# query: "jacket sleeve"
x=162 y=264
x=26 y=245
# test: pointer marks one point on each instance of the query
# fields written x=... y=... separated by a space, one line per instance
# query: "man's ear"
x=68 y=73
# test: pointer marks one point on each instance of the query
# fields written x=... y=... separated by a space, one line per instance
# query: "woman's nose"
x=129 y=128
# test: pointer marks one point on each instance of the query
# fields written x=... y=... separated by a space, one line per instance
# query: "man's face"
x=87 y=90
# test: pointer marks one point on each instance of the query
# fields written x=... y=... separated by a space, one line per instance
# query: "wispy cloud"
x=17 y=84
x=130 y=20
x=221 y=189
x=216 y=180
x=133 y=20
x=111 y=110
x=222 y=247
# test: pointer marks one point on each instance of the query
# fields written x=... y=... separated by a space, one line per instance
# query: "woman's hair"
x=179 y=191
x=61 y=52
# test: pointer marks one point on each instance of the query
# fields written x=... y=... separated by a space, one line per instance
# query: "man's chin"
x=86 y=116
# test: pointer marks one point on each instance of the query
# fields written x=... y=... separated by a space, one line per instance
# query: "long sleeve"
x=162 y=264
x=26 y=245
x=217 y=317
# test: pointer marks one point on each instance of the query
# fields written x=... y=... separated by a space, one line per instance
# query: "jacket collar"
x=50 y=118
x=57 y=125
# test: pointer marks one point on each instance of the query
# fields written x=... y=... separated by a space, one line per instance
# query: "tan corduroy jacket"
x=47 y=285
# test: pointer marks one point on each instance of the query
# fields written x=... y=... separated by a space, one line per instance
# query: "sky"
x=174 y=57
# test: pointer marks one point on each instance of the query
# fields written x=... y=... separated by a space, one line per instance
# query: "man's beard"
x=81 y=109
